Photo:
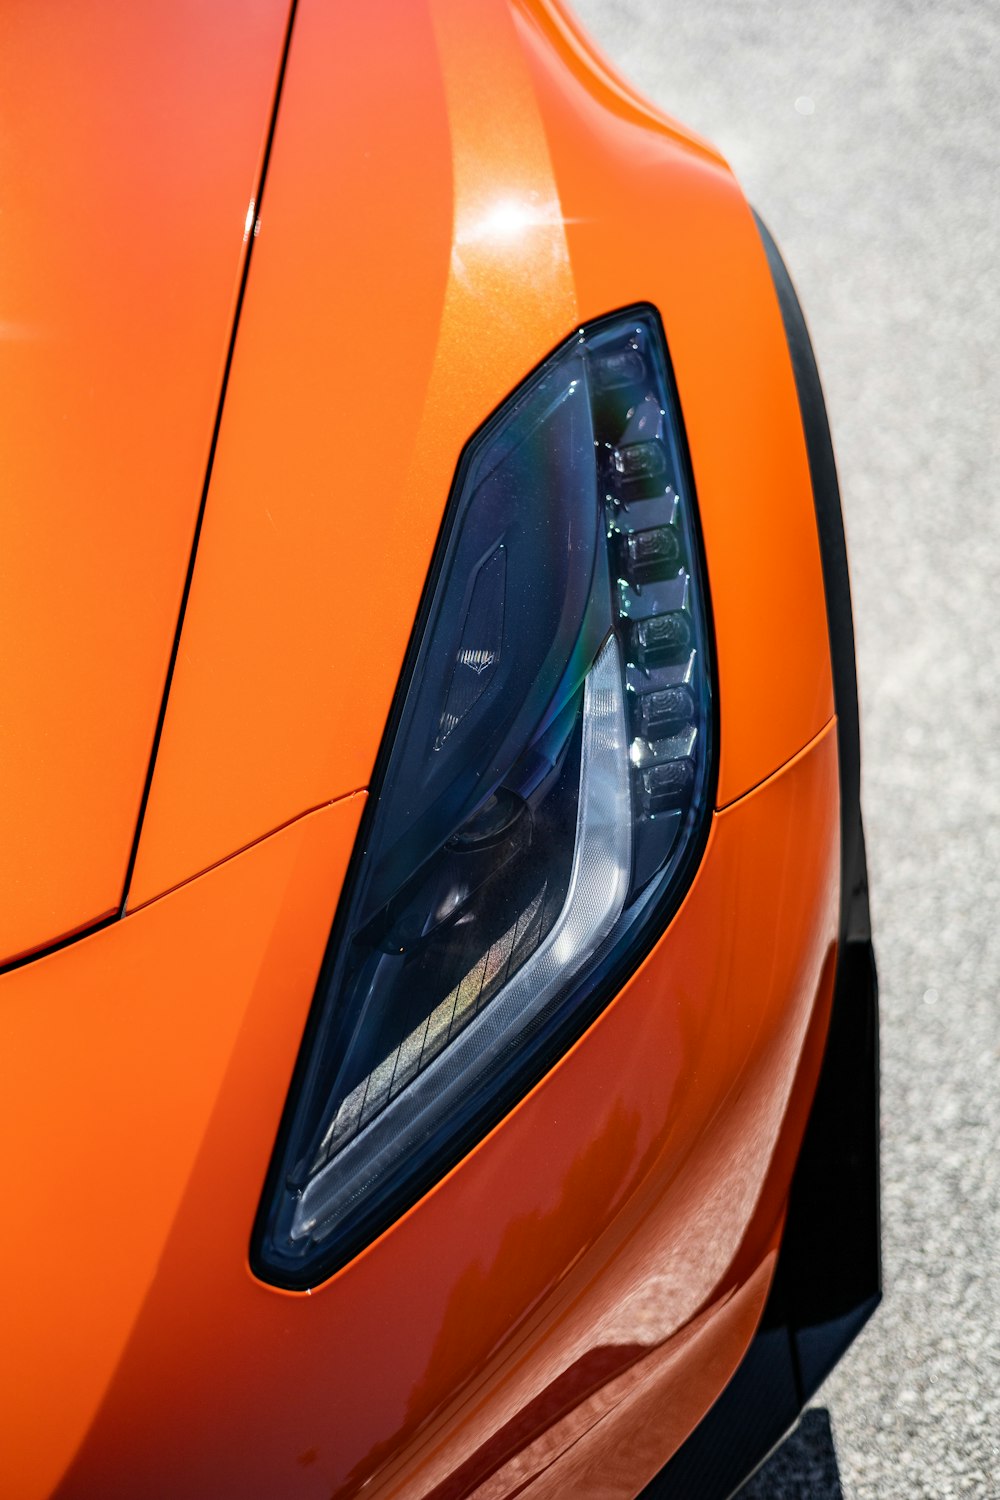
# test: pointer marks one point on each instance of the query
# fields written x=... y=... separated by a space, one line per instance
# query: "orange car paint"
x=116 y=1051
x=440 y=213
x=130 y=151
x=630 y=1192
x=444 y=203
x=607 y=1445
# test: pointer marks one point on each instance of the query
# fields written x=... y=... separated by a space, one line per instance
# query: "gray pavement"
x=868 y=136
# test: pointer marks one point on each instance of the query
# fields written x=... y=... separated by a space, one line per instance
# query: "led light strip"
x=598 y=885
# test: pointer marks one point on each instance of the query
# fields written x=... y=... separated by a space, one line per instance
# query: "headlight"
x=543 y=788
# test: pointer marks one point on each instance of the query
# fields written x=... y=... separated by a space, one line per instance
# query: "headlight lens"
x=541 y=793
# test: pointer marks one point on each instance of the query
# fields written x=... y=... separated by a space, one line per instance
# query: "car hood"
x=132 y=145
x=435 y=221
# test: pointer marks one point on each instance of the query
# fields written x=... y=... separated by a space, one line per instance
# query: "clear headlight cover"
x=539 y=800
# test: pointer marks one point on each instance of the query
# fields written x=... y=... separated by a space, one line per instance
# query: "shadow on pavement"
x=803 y=1468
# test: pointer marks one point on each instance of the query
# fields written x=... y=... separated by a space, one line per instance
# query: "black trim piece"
x=213 y=445
x=609 y=975
x=829 y=1275
x=836 y=580
x=828 y=1280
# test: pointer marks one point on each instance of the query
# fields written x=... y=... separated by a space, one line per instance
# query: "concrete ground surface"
x=868 y=136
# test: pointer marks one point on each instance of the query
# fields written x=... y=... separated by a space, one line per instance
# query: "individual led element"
x=641 y=459
x=661 y=639
x=648 y=556
x=664 y=711
x=619 y=370
x=676 y=746
x=537 y=804
x=667 y=786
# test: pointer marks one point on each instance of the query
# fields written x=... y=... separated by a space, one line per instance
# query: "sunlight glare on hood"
x=508 y=220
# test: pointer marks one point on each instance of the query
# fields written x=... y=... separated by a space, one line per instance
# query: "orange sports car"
x=438 y=1008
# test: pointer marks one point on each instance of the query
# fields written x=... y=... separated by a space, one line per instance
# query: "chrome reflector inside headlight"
x=538 y=801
